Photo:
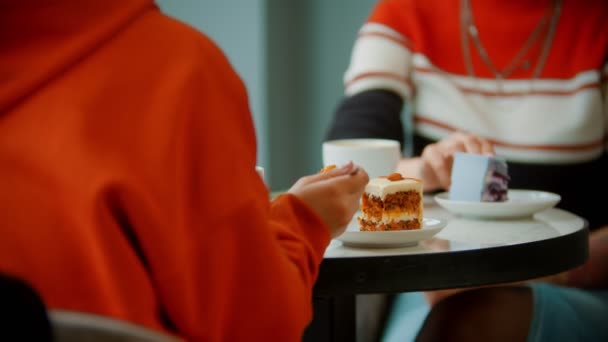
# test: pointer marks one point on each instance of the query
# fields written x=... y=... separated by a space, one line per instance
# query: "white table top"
x=462 y=234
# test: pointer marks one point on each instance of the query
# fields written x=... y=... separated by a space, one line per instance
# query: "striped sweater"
x=554 y=124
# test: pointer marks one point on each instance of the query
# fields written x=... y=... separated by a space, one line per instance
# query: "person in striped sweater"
x=526 y=80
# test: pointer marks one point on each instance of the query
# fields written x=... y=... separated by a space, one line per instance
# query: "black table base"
x=334 y=319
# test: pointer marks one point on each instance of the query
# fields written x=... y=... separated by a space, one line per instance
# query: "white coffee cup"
x=378 y=157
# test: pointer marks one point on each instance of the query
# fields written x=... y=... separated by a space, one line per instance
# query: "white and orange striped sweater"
x=414 y=49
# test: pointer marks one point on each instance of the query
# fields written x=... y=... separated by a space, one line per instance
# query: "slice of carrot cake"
x=391 y=203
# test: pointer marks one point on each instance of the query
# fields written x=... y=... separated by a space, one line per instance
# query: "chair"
x=70 y=326
x=23 y=315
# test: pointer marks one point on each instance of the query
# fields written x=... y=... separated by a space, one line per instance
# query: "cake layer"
x=403 y=204
x=368 y=225
x=386 y=218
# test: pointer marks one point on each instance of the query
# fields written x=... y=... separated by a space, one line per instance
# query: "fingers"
x=464 y=142
x=439 y=164
x=360 y=177
x=347 y=178
x=471 y=144
x=353 y=182
x=487 y=147
x=335 y=172
x=438 y=158
x=334 y=196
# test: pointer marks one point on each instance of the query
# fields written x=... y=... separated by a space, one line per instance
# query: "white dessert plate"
x=353 y=237
x=521 y=203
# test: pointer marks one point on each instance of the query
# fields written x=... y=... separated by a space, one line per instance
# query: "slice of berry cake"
x=479 y=178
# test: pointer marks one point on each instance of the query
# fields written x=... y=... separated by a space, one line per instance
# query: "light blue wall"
x=292 y=55
x=333 y=26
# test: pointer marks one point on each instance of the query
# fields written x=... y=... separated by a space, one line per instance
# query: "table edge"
x=484 y=266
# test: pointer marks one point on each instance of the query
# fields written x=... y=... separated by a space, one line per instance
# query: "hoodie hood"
x=41 y=39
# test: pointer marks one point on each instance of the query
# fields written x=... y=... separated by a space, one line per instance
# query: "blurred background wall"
x=291 y=55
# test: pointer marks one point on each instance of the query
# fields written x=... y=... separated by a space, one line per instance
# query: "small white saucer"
x=521 y=203
x=353 y=237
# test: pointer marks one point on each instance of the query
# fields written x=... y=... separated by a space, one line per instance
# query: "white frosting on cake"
x=380 y=187
x=387 y=218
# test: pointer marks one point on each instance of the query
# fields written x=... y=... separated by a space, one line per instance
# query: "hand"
x=436 y=160
x=334 y=195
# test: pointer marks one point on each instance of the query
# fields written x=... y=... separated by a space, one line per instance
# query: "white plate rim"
x=393 y=238
x=537 y=201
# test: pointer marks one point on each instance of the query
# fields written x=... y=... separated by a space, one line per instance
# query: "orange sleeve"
x=220 y=255
x=399 y=15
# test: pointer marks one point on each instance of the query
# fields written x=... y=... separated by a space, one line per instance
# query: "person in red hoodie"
x=129 y=189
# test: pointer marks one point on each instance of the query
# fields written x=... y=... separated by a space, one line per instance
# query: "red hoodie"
x=127 y=157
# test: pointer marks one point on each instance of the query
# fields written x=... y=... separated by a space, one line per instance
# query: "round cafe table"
x=467 y=252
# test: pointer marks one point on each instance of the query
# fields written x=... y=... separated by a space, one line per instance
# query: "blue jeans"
x=560 y=314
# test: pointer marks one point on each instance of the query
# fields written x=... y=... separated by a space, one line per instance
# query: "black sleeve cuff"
x=371 y=114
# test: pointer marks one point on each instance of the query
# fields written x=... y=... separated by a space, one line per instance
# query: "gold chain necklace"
x=468 y=29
